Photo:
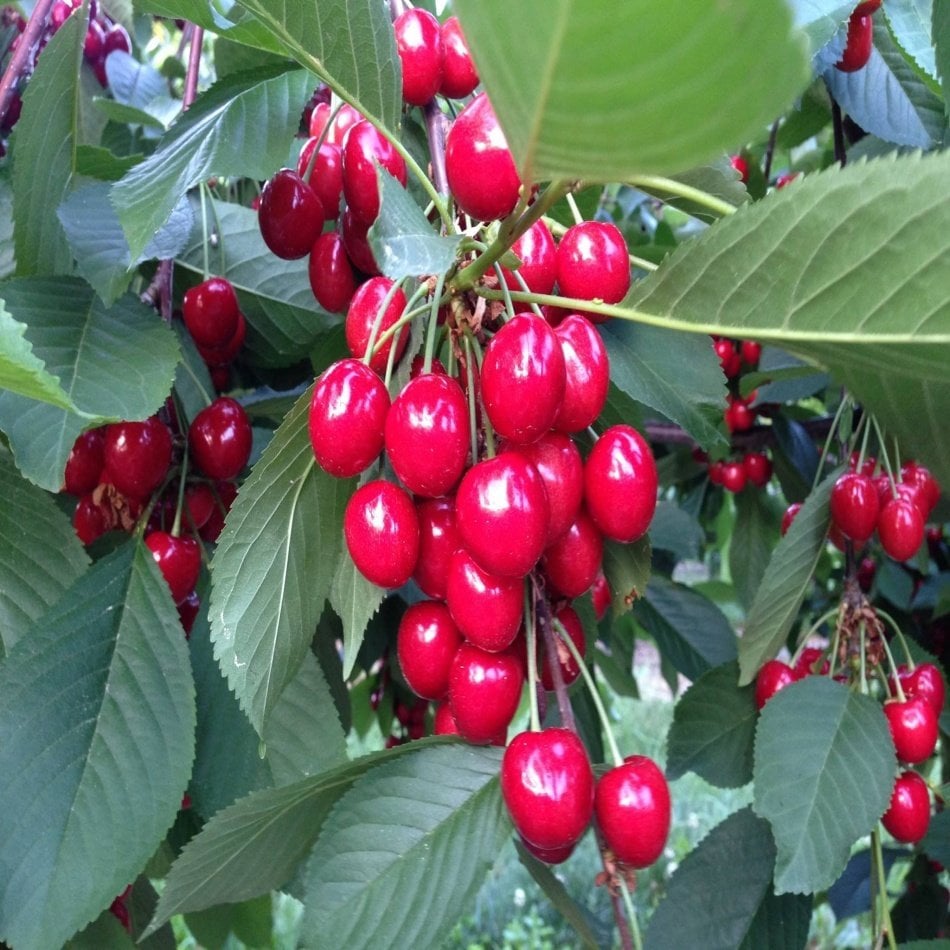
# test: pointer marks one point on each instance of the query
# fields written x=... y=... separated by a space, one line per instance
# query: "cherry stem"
x=826 y=448
x=436 y=130
x=470 y=387
x=194 y=61
x=812 y=630
x=887 y=928
x=884 y=457
x=899 y=634
x=575 y=211
x=432 y=331
x=321 y=138
x=835 y=643
x=206 y=262
x=176 y=525
x=487 y=426
x=770 y=150
x=680 y=190
x=631 y=914
x=837 y=125
x=503 y=283
x=547 y=622
x=898 y=688
x=531 y=636
x=372 y=344
x=864 y=663
x=20 y=59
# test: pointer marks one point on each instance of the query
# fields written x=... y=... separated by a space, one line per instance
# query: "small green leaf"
x=824 y=772
x=713 y=730
x=911 y=22
x=355 y=600
x=753 y=537
x=627 y=569
x=941 y=41
x=250 y=921
x=103 y=165
x=820 y=19
x=937 y=843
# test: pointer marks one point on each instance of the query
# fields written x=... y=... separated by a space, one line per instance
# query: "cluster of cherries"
x=213 y=317
x=860 y=38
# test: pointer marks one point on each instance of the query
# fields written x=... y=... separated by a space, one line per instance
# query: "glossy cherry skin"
x=601 y=596
x=365 y=149
x=347 y=418
x=561 y=468
x=363 y=313
x=549 y=855
x=632 y=805
x=290 y=215
x=484 y=691
x=523 y=378
x=225 y=493
x=571 y=564
x=867 y=7
x=854 y=506
x=751 y=352
x=741 y=166
x=927 y=682
x=427 y=434
x=859 y=43
x=357 y=244
x=481 y=172
x=459 y=76
x=326 y=176
x=733 y=476
x=593 y=264
x=570 y=669
x=90 y=520
x=501 y=509
x=211 y=312
x=382 y=533
x=729 y=358
x=913 y=726
x=85 y=462
x=807 y=663
x=548 y=787
x=220 y=438
x=738 y=416
x=443 y=723
x=758 y=468
x=340 y=127
x=538 y=255
x=222 y=355
x=620 y=483
x=908 y=814
x=199 y=504
x=419 y=45
x=900 y=526
x=426 y=644
x=438 y=541
x=179 y=560
x=913 y=473
x=790 y=514
x=137 y=456
x=487 y=608
x=332 y=279
x=586 y=373
x=773 y=676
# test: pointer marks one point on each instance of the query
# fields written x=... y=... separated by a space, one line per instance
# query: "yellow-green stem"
x=673 y=187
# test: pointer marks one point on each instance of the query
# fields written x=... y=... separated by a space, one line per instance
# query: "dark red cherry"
x=570 y=670
x=751 y=352
x=382 y=533
x=487 y=608
x=908 y=814
x=484 y=691
x=572 y=562
x=326 y=176
x=223 y=355
x=928 y=490
x=364 y=150
x=94 y=43
x=116 y=39
x=593 y=264
x=290 y=215
x=91 y=520
x=347 y=418
x=331 y=274
x=738 y=416
x=790 y=514
x=561 y=468
x=365 y=310
x=900 y=526
x=538 y=255
x=733 y=476
x=220 y=438
x=913 y=725
x=199 y=504
x=867 y=7
x=859 y=43
x=854 y=506
x=85 y=462
x=137 y=456
x=179 y=560
x=419 y=45
x=601 y=596
x=927 y=682
x=587 y=373
x=225 y=493
x=773 y=676
x=758 y=468
x=459 y=77
x=426 y=644
x=211 y=312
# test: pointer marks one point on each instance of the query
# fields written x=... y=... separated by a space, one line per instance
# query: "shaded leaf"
x=937 y=843
x=355 y=600
x=941 y=40
x=236 y=24
x=718 y=179
x=250 y=921
x=627 y=569
x=754 y=534
x=850 y=895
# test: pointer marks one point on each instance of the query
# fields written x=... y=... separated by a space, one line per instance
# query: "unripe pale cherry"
x=382 y=533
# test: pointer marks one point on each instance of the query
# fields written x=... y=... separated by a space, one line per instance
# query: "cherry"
x=790 y=514
x=487 y=608
x=805 y=664
x=85 y=462
x=426 y=643
x=570 y=668
x=561 y=468
x=340 y=127
x=773 y=676
x=222 y=355
x=199 y=504
x=117 y=39
x=548 y=787
x=900 y=526
x=751 y=352
x=928 y=491
x=601 y=596
x=867 y=7
x=913 y=725
x=593 y=264
x=382 y=533
x=137 y=456
x=356 y=243
x=501 y=509
x=632 y=805
x=586 y=373
x=188 y=613
x=908 y=814
x=729 y=358
x=523 y=378
x=347 y=415
x=438 y=541
x=179 y=560
x=481 y=172
x=444 y=722
x=459 y=77
x=854 y=506
x=365 y=311
x=365 y=148
x=419 y=45
x=716 y=470
x=738 y=416
x=549 y=855
x=867 y=569
x=326 y=176
x=484 y=691
x=211 y=312
x=290 y=215
x=94 y=42
x=220 y=438
x=926 y=681
x=331 y=274
x=91 y=520
x=741 y=166
x=538 y=255
x=319 y=117
x=226 y=492
x=758 y=468
x=858 y=46
x=733 y=476
x=572 y=562
x=427 y=434
x=620 y=483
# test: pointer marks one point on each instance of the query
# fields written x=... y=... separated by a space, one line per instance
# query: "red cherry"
x=382 y=533
x=807 y=660
x=444 y=722
x=91 y=520
x=459 y=77
x=220 y=438
x=572 y=562
x=487 y=608
x=593 y=264
x=587 y=373
x=773 y=676
x=867 y=569
x=570 y=669
x=116 y=39
x=751 y=352
x=926 y=682
x=858 y=46
x=94 y=43
x=290 y=215
x=900 y=526
x=426 y=644
x=738 y=416
x=331 y=274
x=549 y=855
x=716 y=470
x=913 y=725
x=211 y=312
x=601 y=596
x=758 y=468
x=632 y=805
x=729 y=359
x=481 y=172
x=326 y=176
x=741 y=166
x=620 y=483
x=438 y=541
x=548 y=787
x=733 y=476
x=928 y=490
x=179 y=560
x=199 y=504
x=222 y=355
x=783 y=180
x=187 y=614
x=419 y=45
x=356 y=243
x=364 y=312
x=790 y=514
x=427 y=434
x=561 y=468
x=867 y=7
x=854 y=506
x=340 y=127
x=85 y=462
x=319 y=118
x=364 y=150
x=137 y=456
x=225 y=493
x=538 y=255
x=908 y=814
x=501 y=509
x=484 y=691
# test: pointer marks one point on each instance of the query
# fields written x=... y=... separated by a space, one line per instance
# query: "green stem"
x=531 y=636
x=835 y=644
x=899 y=634
x=575 y=211
x=489 y=429
x=432 y=331
x=206 y=264
x=887 y=927
x=811 y=631
x=893 y=665
x=472 y=409
x=845 y=402
x=885 y=458
x=509 y=306
x=631 y=914
x=673 y=187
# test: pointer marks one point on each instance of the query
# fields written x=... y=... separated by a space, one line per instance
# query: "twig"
x=770 y=150
x=194 y=62
x=21 y=55
x=837 y=124
x=436 y=127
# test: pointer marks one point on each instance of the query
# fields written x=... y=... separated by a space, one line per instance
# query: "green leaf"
x=236 y=25
x=785 y=582
x=910 y=22
x=399 y=869
x=941 y=40
x=82 y=341
x=627 y=569
x=355 y=600
x=540 y=69
x=754 y=534
x=241 y=126
x=824 y=772
x=273 y=567
x=101 y=164
x=98 y=716
x=713 y=730
x=937 y=843
x=721 y=898
x=193 y=385
x=403 y=241
x=819 y=20
x=689 y=629
x=40 y=555
x=7 y=259
x=647 y=364
x=717 y=179
x=250 y=921
x=673 y=529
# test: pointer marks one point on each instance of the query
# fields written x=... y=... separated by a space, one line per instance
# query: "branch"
x=437 y=129
x=22 y=54
x=194 y=62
